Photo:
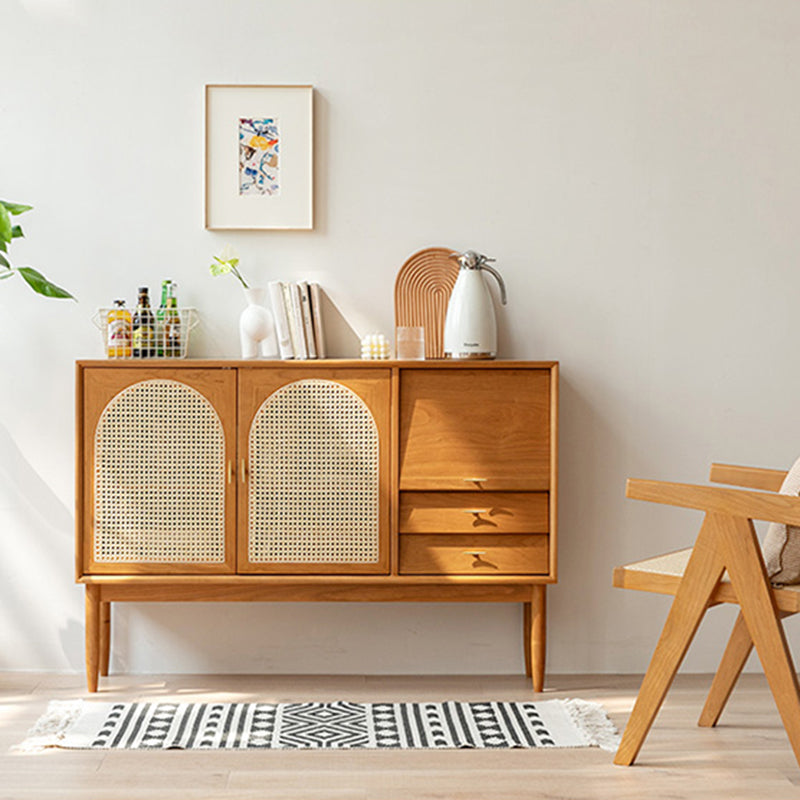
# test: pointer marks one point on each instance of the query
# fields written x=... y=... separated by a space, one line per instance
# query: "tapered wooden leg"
x=749 y=578
x=92 y=636
x=739 y=647
x=700 y=578
x=526 y=635
x=105 y=637
x=538 y=634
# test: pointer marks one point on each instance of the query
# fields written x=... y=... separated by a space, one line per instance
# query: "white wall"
x=632 y=165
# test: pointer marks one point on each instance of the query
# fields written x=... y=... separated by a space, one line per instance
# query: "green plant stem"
x=238 y=275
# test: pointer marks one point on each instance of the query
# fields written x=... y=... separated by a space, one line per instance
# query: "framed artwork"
x=259 y=157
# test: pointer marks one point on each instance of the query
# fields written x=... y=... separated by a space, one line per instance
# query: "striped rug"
x=344 y=725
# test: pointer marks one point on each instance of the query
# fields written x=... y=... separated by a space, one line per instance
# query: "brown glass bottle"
x=144 y=333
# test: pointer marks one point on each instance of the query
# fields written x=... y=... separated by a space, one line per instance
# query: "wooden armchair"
x=724 y=566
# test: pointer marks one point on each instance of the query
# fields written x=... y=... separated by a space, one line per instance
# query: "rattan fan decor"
x=422 y=291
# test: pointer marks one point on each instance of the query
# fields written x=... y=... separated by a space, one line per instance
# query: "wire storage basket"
x=167 y=337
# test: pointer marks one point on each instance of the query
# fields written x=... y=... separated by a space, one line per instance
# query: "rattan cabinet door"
x=158 y=451
x=314 y=471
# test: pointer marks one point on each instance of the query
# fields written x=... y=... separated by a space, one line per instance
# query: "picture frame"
x=259 y=151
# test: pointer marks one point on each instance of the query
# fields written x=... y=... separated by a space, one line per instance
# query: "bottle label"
x=142 y=337
x=119 y=333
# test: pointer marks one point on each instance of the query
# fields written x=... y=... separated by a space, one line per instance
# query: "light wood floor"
x=747 y=756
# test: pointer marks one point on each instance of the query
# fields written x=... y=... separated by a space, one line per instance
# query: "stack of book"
x=297 y=310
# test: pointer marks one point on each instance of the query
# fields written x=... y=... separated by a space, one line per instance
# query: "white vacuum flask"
x=470 y=327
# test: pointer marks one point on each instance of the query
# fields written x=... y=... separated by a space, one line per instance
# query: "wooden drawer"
x=473 y=512
x=488 y=554
x=475 y=429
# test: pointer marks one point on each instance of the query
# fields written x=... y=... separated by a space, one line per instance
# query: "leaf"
x=41 y=285
x=4 y=261
x=5 y=225
x=16 y=232
x=7 y=274
x=15 y=208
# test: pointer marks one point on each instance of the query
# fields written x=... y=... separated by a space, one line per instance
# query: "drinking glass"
x=410 y=342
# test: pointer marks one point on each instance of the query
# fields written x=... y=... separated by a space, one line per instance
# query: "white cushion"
x=782 y=542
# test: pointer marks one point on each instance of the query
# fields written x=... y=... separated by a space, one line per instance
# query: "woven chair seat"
x=662 y=574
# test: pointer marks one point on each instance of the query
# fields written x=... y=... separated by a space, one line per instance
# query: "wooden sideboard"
x=201 y=480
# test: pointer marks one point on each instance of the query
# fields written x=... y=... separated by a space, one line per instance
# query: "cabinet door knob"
x=230 y=471
x=243 y=471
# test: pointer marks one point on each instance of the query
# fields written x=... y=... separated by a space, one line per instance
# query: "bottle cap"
x=119 y=303
x=143 y=290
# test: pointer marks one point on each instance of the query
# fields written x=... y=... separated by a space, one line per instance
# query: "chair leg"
x=749 y=578
x=739 y=647
x=700 y=579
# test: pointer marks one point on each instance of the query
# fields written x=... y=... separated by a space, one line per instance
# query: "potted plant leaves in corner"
x=31 y=276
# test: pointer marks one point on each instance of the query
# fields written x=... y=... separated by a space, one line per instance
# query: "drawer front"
x=489 y=554
x=475 y=429
x=474 y=512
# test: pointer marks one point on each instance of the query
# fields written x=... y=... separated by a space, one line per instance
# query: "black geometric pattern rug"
x=334 y=725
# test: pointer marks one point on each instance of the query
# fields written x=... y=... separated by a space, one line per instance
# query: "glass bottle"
x=160 y=315
x=172 y=325
x=143 y=327
x=118 y=331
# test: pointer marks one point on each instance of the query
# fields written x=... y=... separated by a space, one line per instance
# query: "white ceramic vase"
x=256 y=327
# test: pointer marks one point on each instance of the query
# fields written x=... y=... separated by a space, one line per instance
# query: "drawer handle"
x=479 y=562
x=475 y=480
x=477 y=519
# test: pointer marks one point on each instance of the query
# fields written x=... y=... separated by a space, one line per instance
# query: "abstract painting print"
x=259 y=145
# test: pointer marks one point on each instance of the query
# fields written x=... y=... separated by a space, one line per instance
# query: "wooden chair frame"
x=727 y=541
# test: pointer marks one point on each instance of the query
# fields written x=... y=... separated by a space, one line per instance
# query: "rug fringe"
x=593 y=722
x=51 y=727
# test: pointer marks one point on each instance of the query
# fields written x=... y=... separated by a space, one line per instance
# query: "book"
x=296 y=322
x=281 y=319
x=286 y=290
x=308 y=321
x=316 y=313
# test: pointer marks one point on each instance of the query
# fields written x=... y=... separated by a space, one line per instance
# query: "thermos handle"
x=494 y=272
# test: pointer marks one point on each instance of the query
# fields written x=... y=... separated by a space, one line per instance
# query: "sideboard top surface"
x=325 y=363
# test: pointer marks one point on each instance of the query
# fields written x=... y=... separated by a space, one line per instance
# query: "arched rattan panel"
x=159 y=477
x=314 y=477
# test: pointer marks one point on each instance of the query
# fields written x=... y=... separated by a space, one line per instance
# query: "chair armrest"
x=770 y=480
x=714 y=499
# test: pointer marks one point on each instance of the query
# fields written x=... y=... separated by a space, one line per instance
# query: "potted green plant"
x=9 y=231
